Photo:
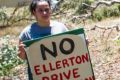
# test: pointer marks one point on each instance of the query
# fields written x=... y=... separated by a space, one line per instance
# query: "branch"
x=93 y=8
x=13 y=13
x=8 y=25
x=115 y=26
x=107 y=3
x=106 y=29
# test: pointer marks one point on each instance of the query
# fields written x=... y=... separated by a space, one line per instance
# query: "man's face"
x=42 y=12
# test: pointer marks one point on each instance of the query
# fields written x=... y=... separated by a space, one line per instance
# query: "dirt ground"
x=104 y=50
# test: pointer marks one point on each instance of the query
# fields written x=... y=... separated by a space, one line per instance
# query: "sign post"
x=63 y=56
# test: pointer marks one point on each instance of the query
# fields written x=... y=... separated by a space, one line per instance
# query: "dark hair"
x=33 y=4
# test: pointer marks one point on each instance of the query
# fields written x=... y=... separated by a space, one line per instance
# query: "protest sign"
x=63 y=56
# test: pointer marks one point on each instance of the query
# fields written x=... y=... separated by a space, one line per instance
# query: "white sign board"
x=61 y=57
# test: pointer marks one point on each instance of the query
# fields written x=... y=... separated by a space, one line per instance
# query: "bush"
x=119 y=7
x=8 y=56
x=82 y=9
x=114 y=12
x=76 y=6
x=97 y=16
x=106 y=12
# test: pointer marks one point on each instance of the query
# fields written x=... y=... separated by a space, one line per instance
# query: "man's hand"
x=22 y=53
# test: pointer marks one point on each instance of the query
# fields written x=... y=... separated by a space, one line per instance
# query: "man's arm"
x=21 y=53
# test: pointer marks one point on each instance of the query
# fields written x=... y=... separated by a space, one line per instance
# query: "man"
x=44 y=26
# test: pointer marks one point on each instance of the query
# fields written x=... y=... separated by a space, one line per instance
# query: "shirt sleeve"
x=58 y=27
x=64 y=28
x=24 y=35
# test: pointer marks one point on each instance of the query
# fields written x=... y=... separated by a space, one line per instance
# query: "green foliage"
x=119 y=7
x=70 y=4
x=106 y=12
x=97 y=17
x=76 y=5
x=8 y=56
x=114 y=12
x=3 y=16
x=10 y=16
x=118 y=42
x=111 y=11
x=81 y=9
